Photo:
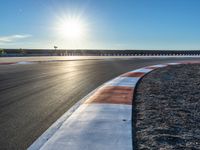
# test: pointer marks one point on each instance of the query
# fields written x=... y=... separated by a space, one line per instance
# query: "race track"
x=33 y=96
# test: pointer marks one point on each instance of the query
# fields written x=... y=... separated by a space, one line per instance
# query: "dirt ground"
x=167 y=112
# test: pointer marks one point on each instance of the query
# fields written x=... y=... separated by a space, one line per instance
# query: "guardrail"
x=82 y=52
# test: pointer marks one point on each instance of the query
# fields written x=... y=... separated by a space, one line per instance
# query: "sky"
x=100 y=24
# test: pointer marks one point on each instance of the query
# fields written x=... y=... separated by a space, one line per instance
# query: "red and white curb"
x=101 y=120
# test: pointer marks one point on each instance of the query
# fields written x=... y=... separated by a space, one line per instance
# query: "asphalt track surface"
x=33 y=96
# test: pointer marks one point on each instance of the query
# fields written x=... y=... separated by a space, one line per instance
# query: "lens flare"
x=71 y=28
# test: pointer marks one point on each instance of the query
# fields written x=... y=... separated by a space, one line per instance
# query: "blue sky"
x=109 y=24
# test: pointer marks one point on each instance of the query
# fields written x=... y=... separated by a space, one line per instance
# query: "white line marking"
x=158 y=66
x=95 y=127
x=173 y=63
x=123 y=81
x=142 y=70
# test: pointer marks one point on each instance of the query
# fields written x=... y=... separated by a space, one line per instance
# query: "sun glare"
x=71 y=28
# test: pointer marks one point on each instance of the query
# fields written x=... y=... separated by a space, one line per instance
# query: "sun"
x=71 y=28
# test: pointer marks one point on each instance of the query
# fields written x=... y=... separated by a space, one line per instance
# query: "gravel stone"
x=167 y=111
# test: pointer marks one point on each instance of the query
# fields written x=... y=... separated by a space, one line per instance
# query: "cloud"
x=13 y=38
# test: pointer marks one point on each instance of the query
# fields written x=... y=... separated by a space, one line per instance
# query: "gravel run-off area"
x=167 y=109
